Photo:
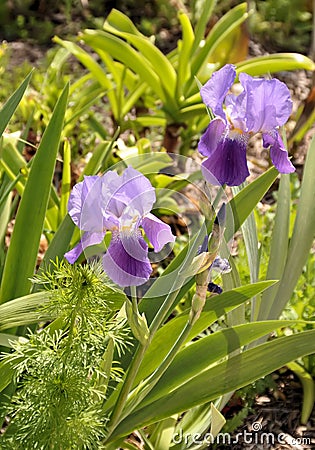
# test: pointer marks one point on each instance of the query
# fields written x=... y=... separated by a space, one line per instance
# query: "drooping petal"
x=268 y=103
x=278 y=153
x=127 y=266
x=227 y=164
x=86 y=240
x=214 y=91
x=158 y=232
x=210 y=139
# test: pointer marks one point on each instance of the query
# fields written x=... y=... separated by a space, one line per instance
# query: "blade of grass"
x=279 y=245
x=22 y=254
x=222 y=378
x=302 y=237
x=12 y=103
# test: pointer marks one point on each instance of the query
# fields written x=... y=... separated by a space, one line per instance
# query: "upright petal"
x=214 y=91
x=227 y=164
x=111 y=199
x=131 y=189
x=139 y=190
x=236 y=110
x=278 y=153
x=82 y=204
x=124 y=267
x=268 y=103
x=86 y=240
x=158 y=232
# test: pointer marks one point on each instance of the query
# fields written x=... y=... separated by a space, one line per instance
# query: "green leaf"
x=184 y=53
x=215 y=307
x=246 y=200
x=199 y=355
x=202 y=22
x=6 y=374
x=120 y=25
x=12 y=103
x=96 y=70
x=5 y=212
x=307 y=382
x=279 y=245
x=229 y=375
x=275 y=63
x=59 y=244
x=302 y=236
x=6 y=340
x=22 y=254
x=66 y=180
x=163 y=433
x=23 y=310
x=221 y=29
x=249 y=232
x=106 y=42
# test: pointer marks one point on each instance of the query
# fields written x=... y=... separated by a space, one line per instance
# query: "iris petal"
x=138 y=190
x=209 y=141
x=86 y=240
x=158 y=232
x=268 y=103
x=227 y=164
x=278 y=153
x=131 y=189
x=123 y=267
x=214 y=91
x=82 y=205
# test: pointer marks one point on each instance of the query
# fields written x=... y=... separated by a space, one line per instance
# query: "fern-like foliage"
x=65 y=370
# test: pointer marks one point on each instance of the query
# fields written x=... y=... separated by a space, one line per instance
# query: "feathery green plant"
x=65 y=373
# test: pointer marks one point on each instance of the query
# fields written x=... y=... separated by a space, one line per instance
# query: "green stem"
x=137 y=360
x=143 y=389
x=133 y=291
x=135 y=364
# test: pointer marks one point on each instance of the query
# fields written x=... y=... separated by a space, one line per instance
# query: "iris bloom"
x=120 y=204
x=262 y=106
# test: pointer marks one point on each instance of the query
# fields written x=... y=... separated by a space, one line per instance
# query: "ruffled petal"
x=227 y=164
x=132 y=189
x=158 y=232
x=268 y=103
x=236 y=110
x=278 y=153
x=112 y=200
x=214 y=91
x=126 y=261
x=139 y=190
x=209 y=141
x=87 y=240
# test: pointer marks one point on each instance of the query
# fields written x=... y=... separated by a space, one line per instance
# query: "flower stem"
x=137 y=360
x=143 y=389
x=159 y=318
x=133 y=291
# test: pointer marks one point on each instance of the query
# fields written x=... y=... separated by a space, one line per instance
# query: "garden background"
x=122 y=106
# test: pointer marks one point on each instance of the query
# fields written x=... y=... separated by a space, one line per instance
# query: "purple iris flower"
x=262 y=106
x=120 y=204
